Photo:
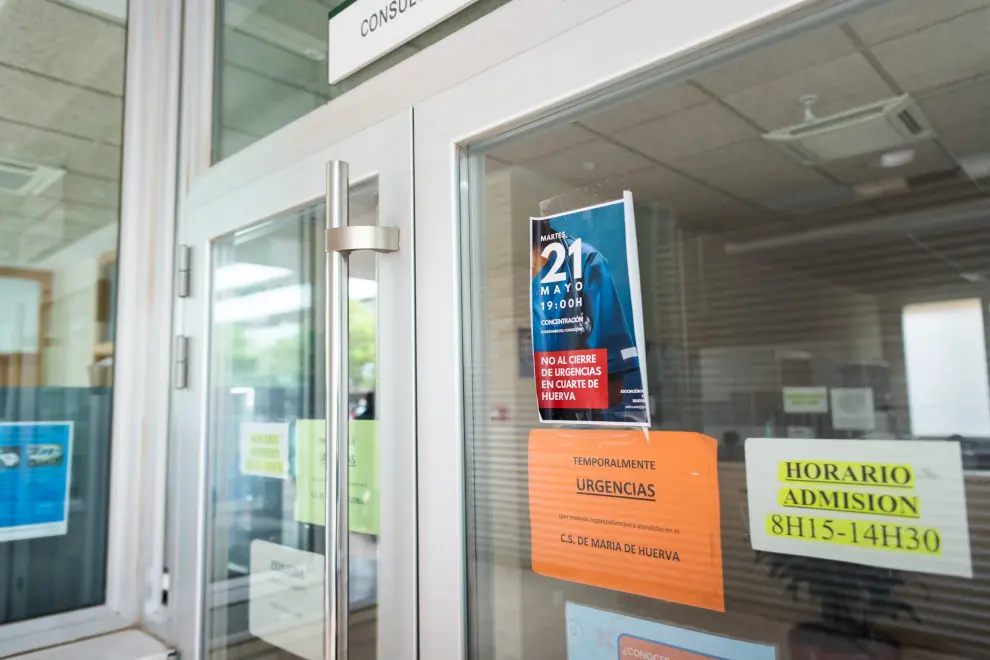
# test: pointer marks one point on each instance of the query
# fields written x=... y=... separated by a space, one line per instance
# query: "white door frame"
x=631 y=45
x=382 y=151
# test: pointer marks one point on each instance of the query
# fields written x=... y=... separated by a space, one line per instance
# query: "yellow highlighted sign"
x=897 y=504
x=880 y=475
x=827 y=499
x=265 y=450
x=862 y=534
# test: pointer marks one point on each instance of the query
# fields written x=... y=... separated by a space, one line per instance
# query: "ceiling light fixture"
x=898 y=158
x=890 y=186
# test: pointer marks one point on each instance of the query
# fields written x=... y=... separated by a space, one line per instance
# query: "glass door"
x=299 y=323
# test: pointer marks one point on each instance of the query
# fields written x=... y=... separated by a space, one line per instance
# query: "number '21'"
x=557 y=250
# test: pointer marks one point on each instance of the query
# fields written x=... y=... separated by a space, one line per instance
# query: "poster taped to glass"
x=587 y=316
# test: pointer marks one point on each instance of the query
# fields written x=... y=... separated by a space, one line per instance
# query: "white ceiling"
x=61 y=106
x=696 y=146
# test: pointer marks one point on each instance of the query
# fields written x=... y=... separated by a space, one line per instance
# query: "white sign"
x=265 y=450
x=286 y=600
x=367 y=29
x=890 y=503
x=799 y=400
x=852 y=409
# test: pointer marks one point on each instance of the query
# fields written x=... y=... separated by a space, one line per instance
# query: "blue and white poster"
x=599 y=635
x=35 y=465
x=587 y=316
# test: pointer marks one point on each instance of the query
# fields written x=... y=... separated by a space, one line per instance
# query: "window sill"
x=124 y=645
x=59 y=630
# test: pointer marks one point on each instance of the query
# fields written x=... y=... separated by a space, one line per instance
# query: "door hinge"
x=183 y=268
x=164 y=586
x=181 y=370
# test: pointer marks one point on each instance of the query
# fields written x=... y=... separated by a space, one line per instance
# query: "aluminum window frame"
x=633 y=46
x=542 y=60
x=139 y=433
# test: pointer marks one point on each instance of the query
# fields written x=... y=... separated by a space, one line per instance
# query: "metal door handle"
x=365 y=237
x=341 y=240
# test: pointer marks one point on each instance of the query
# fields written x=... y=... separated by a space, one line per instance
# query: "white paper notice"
x=852 y=409
x=265 y=450
x=286 y=603
x=891 y=503
x=798 y=400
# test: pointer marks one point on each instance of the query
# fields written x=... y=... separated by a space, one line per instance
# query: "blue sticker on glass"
x=35 y=462
x=598 y=635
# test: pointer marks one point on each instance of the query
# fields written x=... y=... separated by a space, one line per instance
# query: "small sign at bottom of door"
x=286 y=598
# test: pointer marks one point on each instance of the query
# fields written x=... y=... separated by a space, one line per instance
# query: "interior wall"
x=73 y=328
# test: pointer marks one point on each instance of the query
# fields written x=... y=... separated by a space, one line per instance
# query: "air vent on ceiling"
x=24 y=179
x=872 y=128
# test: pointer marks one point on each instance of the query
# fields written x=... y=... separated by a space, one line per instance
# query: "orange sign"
x=628 y=510
x=634 y=647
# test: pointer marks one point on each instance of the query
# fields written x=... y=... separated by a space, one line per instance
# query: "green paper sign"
x=310 y=463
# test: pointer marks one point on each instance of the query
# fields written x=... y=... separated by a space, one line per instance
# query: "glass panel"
x=267 y=440
x=61 y=128
x=852 y=260
x=272 y=64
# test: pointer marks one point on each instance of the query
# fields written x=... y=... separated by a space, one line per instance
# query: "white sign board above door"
x=367 y=29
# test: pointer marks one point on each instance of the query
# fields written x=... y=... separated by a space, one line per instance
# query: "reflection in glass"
x=852 y=263
x=267 y=440
x=272 y=64
x=61 y=129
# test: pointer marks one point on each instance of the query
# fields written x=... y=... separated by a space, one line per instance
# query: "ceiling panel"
x=79 y=196
x=841 y=84
x=656 y=184
x=965 y=103
x=938 y=55
x=695 y=206
x=961 y=117
x=928 y=158
x=893 y=19
x=259 y=105
x=61 y=77
x=255 y=55
x=544 y=143
x=753 y=170
x=716 y=212
x=854 y=212
x=86 y=190
x=968 y=140
x=593 y=161
x=28 y=208
x=665 y=101
x=699 y=129
x=955 y=191
x=306 y=16
x=63 y=43
x=776 y=60
x=40 y=147
x=84 y=218
x=46 y=103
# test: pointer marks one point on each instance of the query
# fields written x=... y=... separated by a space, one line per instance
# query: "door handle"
x=341 y=241
x=365 y=237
